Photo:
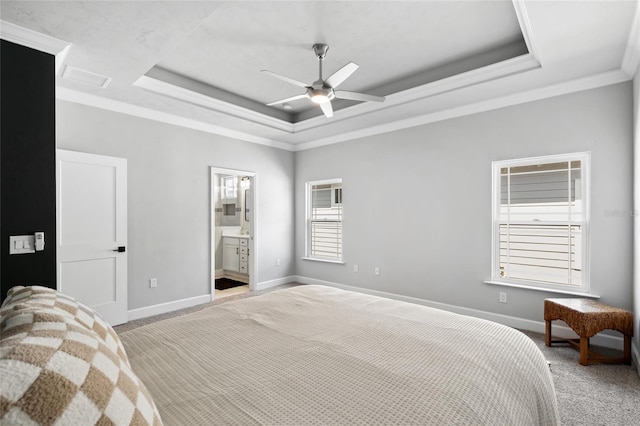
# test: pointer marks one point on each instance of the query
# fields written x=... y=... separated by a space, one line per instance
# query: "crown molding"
x=35 y=40
x=525 y=27
x=29 y=38
x=586 y=83
x=501 y=69
x=631 y=60
x=70 y=95
x=190 y=96
x=477 y=76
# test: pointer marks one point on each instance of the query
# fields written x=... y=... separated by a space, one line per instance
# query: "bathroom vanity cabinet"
x=235 y=254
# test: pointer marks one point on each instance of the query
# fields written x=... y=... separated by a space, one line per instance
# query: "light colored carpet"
x=599 y=394
x=587 y=395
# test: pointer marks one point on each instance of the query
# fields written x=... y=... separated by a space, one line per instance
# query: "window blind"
x=540 y=223
x=544 y=253
x=325 y=221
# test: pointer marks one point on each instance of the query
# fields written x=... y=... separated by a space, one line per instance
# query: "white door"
x=92 y=231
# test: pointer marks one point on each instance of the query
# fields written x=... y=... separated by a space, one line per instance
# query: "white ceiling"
x=198 y=63
x=229 y=48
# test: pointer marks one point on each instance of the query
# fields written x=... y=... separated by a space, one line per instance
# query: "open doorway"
x=233 y=231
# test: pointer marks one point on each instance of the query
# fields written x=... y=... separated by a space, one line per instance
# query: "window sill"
x=550 y=290
x=315 y=259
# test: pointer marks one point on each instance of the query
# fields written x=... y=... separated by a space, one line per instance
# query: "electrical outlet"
x=277 y=262
x=355 y=268
x=376 y=270
x=153 y=282
x=503 y=297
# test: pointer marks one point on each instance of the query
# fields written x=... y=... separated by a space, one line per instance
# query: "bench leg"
x=547 y=334
x=626 y=357
x=584 y=350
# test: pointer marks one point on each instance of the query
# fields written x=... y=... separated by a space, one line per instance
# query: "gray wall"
x=417 y=202
x=169 y=201
x=636 y=252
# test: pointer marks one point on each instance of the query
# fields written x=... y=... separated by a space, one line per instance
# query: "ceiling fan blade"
x=327 y=109
x=287 y=79
x=341 y=75
x=292 y=98
x=353 y=96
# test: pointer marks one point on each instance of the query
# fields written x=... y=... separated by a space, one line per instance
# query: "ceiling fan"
x=323 y=91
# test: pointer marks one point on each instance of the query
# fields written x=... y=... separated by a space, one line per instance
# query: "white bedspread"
x=314 y=355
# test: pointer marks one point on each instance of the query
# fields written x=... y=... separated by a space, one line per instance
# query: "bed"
x=316 y=355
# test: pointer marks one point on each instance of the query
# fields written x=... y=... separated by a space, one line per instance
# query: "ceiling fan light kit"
x=321 y=95
x=321 y=91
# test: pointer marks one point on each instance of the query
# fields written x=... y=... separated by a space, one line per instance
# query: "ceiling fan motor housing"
x=320 y=50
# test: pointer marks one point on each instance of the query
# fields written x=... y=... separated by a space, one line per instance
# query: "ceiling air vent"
x=86 y=77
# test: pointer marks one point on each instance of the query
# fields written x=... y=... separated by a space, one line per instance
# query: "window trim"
x=307 y=234
x=584 y=289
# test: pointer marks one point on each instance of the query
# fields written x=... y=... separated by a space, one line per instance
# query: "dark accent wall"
x=27 y=163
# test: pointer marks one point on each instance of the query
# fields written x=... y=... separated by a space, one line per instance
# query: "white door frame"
x=253 y=226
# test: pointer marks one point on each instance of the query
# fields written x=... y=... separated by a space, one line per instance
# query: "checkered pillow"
x=32 y=297
x=54 y=369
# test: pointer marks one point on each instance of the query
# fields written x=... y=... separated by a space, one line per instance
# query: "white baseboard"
x=559 y=331
x=219 y=274
x=273 y=283
x=163 y=308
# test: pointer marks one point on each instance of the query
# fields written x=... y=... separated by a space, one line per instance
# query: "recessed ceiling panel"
x=398 y=45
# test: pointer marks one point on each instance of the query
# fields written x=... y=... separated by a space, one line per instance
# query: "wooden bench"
x=587 y=318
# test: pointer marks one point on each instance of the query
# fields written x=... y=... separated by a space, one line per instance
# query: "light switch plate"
x=21 y=244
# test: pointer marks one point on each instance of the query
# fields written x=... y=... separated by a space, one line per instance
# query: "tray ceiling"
x=198 y=63
x=398 y=46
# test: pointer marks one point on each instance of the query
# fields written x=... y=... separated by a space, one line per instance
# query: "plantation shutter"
x=541 y=222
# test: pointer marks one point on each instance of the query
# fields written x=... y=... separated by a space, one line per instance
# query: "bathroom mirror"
x=247 y=204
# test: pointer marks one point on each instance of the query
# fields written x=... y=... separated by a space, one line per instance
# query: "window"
x=324 y=220
x=229 y=187
x=541 y=222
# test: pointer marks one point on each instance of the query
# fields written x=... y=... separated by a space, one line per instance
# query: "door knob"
x=121 y=249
